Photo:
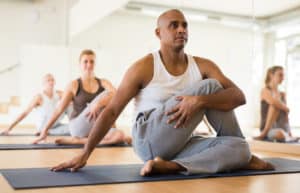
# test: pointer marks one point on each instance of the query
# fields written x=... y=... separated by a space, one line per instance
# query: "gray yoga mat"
x=115 y=174
x=51 y=146
x=30 y=134
x=291 y=141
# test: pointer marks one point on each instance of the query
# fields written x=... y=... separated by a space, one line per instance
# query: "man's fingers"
x=180 y=121
x=59 y=167
x=77 y=167
x=174 y=117
x=173 y=110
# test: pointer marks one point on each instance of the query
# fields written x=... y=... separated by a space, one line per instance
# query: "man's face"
x=173 y=30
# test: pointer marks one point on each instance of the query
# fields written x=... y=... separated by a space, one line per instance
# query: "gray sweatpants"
x=59 y=129
x=153 y=136
x=80 y=126
x=280 y=125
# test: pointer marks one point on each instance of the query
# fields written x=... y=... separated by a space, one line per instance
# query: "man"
x=171 y=98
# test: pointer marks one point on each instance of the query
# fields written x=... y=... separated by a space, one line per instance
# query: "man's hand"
x=42 y=137
x=74 y=164
x=184 y=110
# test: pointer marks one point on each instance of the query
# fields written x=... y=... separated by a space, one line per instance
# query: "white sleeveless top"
x=164 y=85
x=45 y=110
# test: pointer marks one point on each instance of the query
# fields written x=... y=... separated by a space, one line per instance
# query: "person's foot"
x=160 y=166
x=70 y=141
x=37 y=133
x=258 y=164
x=128 y=140
x=260 y=137
x=59 y=141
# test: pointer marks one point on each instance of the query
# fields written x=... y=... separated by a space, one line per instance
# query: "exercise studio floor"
x=125 y=155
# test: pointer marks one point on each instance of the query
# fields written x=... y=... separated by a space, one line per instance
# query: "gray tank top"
x=82 y=97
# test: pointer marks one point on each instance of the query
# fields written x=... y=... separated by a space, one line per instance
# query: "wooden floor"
x=290 y=148
x=286 y=183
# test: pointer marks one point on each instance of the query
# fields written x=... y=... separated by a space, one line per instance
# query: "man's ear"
x=157 y=32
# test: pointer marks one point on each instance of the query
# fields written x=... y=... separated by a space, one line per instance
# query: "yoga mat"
x=295 y=141
x=51 y=146
x=115 y=174
x=30 y=134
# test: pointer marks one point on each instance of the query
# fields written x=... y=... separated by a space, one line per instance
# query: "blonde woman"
x=274 y=123
x=89 y=95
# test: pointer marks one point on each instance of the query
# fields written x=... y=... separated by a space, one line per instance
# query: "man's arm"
x=227 y=99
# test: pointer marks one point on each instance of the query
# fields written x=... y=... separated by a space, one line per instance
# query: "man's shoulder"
x=144 y=64
x=201 y=60
x=145 y=60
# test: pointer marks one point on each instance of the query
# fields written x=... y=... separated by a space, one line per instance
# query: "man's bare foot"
x=160 y=166
x=258 y=164
x=128 y=140
x=70 y=141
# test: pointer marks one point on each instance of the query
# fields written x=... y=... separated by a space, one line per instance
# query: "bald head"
x=172 y=29
x=167 y=15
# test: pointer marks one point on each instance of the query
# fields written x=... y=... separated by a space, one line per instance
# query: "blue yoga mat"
x=114 y=174
x=50 y=146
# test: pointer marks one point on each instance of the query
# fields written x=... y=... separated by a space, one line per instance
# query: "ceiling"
x=260 y=8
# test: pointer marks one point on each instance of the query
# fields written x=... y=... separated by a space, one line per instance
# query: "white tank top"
x=45 y=110
x=164 y=85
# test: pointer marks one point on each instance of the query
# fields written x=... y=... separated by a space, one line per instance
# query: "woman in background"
x=89 y=96
x=274 y=123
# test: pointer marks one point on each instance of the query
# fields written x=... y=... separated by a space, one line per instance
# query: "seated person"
x=89 y=96
x=172 y=92
x=44 y=103
x=274 y=124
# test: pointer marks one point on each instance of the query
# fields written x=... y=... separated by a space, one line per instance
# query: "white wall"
x=119 y=40
x=23 y=23
x=122 y=38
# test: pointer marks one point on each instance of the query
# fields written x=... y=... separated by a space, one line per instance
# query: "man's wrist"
x=201 y=102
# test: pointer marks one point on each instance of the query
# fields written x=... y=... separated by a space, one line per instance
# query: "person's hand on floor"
x=5 y=132
x=74 y=164
x=42 y=137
